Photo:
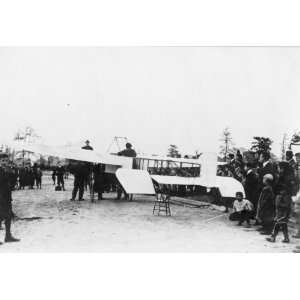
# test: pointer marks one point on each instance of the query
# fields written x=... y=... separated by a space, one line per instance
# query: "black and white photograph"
x=150 y=149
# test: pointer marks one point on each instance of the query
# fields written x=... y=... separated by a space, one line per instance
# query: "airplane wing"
x=71 y=153
x=227 y=186
x=135 y=181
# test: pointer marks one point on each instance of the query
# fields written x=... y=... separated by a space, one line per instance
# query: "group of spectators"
x=269 y=187
x=25 y=176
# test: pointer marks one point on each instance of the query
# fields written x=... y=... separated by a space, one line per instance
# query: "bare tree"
x=284 y=145
x=28 y=134
x=227 y=142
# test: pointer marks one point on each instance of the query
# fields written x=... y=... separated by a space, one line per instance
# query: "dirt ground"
x=49 y=222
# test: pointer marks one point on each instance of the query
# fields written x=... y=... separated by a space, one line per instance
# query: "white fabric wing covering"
x=228 y=186
x=135 y=181
x=75 y=154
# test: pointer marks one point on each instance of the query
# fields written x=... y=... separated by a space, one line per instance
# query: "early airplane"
x=142 y=174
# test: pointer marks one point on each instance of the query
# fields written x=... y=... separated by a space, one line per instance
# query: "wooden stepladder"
x=162 y=202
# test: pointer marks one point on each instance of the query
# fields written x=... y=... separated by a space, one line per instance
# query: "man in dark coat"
x=26 y=177
x=38 y=178
x=80 y=172
x=31 y=177
x=53 y=176
x=21 y=178
x=60 y=172
x=289 y=155
x=99 y=180
x=286 y=177
x=266 y=206
x=266 y=167
x=251 y=185
x=297 y=200
x=6 y=213
x=89 y=166
x=293 y=171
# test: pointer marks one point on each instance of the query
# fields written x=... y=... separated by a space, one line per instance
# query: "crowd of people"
x=269 y=187
x=25 y=176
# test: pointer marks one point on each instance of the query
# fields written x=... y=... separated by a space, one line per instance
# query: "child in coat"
x=283 y=203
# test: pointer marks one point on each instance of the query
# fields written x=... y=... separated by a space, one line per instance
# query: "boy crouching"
x=283 y=203
x=242 y=210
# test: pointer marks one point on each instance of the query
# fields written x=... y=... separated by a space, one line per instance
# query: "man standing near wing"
x=80 y=172
x=60 y=173
x=6 y=213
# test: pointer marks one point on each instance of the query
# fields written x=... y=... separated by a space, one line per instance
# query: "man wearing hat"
x=6 y=213
x=88 y=165
x=87 y=146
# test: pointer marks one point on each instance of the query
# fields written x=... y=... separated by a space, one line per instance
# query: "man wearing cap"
x=87 y=146
x=6 y=213
x=88 y=165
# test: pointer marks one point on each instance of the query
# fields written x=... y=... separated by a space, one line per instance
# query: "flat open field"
x=49 y=222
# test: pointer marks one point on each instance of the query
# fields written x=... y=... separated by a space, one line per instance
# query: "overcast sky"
x=155 y=96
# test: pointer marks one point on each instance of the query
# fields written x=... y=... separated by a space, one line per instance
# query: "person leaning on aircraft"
x=129 y=152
